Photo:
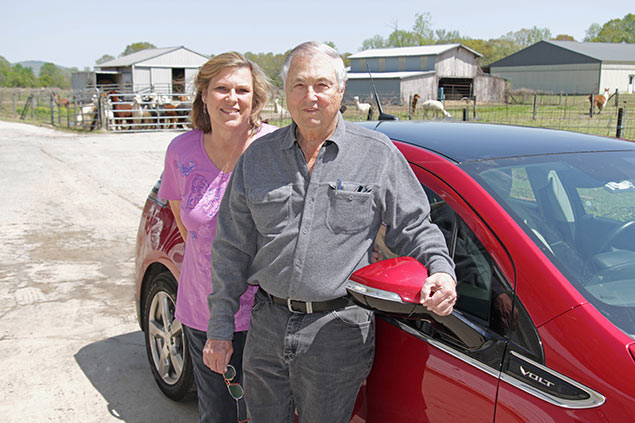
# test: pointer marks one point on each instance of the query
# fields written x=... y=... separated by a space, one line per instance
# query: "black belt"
x=307 y=307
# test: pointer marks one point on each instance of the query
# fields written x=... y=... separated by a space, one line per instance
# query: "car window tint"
x=582 y=216
x=484 y=296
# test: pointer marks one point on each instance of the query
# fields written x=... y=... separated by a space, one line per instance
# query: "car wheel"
x=166 y=344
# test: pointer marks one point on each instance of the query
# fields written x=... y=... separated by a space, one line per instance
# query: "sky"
x=75 y=33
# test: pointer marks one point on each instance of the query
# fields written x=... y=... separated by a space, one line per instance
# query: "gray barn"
x=570 y=67
x=161 y=70
x=399 y=73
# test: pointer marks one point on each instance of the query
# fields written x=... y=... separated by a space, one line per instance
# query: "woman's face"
x=229 y=98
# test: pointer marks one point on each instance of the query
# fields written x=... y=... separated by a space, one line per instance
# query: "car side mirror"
x=393 y=287
x=390 y=286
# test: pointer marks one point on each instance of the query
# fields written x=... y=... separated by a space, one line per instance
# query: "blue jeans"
x=314 y=363
x=215 y=405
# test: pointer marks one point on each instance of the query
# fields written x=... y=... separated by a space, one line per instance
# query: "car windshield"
x=580 y=210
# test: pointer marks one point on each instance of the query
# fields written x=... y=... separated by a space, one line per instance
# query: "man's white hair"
x=311 y=48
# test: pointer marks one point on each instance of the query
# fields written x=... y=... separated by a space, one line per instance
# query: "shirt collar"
x=338 y=136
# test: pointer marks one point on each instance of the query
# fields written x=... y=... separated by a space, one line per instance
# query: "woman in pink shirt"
x=231 y=92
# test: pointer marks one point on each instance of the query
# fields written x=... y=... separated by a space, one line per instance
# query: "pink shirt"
x=191 y=177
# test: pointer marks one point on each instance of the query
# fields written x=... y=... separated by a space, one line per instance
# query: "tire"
x=166 y=344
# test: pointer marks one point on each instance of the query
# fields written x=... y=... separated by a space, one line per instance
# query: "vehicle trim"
x=594 y=399
x=443 y=347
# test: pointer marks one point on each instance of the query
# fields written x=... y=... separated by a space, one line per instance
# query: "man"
x=299 y=216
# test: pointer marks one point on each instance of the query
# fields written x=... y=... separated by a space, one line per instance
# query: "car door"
x=426 y=371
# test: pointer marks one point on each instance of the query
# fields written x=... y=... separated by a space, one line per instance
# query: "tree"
x=618 y=31
x=103 y=59
x=592 y=32
x=19 y=76
x=422 y=28
x=526 y=37
x=270 y=64
x=564 y=37
x=402 y=38
x=52 y=76
x=376 y=41
x=5 y=67
x=135 y=47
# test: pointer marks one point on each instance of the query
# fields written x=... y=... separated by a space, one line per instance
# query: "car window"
x=580 y=211
x=484 y=296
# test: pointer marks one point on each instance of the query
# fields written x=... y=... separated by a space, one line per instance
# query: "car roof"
x=470 y=141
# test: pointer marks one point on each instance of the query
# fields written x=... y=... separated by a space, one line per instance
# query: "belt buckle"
x=309 y=307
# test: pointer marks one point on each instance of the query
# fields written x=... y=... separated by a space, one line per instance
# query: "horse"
x=122 y=112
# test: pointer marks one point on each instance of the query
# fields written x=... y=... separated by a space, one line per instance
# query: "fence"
x=93 y=109
x=556 y=111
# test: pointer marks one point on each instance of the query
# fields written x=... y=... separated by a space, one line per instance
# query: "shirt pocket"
x=270 y=208
x=350 y=208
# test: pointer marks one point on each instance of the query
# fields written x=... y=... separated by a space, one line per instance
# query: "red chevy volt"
x=541 y=226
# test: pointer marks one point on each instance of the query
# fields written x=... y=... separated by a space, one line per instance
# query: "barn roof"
x=388 y=75
x=141 y=56
x=566 y=52
x=613 y=52
x=429 y=50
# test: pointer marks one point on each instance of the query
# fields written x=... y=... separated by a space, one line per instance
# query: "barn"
x=570 y=67
x=160 y=70
x=444 y=71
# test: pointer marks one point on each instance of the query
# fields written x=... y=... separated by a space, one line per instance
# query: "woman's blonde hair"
x=232 y=59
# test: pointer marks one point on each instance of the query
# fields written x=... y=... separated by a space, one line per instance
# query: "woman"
x=231 y=92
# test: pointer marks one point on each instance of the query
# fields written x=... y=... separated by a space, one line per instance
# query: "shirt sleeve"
x=171 y=180
x=406 y=215
x=232 y=252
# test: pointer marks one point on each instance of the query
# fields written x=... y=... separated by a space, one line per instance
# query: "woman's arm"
x=175 y=206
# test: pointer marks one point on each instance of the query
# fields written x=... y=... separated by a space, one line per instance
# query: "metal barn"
x=160 y=70
x=570 y=67
x=448 y=71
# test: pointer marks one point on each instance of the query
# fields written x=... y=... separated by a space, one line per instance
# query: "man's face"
x=313 y=95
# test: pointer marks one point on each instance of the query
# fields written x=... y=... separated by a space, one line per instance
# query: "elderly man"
x=299 y=216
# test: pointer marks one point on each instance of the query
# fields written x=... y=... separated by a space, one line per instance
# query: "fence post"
x=410 y=107
x=591 y=99
x=620 y=117
x=617 y=97
x=52 y=111
x=465 y=115
x=474 y=109
x=535 y=102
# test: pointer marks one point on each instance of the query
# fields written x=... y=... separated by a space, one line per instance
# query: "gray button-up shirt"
x=301 y=234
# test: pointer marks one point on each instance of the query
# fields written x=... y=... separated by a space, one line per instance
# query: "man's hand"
x=216 y=354
x=438 y=293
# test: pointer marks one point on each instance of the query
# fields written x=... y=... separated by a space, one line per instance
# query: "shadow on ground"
x=118 y=368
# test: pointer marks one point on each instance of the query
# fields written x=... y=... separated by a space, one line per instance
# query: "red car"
x=541 y=226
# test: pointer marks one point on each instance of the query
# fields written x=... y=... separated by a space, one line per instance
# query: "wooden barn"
x=161 y=70
x=570 y=67
x=445 y=71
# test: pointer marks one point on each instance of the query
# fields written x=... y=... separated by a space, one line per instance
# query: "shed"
x=570 y=67
x=161 y=70
x=432 y=71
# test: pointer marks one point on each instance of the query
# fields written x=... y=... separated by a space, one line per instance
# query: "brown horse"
x=61 y=102
x=122 y=112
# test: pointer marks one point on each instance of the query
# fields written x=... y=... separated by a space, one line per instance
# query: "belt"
x=308 y=307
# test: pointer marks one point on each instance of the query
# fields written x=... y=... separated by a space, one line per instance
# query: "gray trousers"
x=314 y=363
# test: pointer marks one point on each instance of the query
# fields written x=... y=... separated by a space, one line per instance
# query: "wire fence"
x=91 y=109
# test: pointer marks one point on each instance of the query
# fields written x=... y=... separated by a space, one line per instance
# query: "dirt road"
x=70 y=347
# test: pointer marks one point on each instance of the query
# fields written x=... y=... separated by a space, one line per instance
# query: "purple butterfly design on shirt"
x=186 y=168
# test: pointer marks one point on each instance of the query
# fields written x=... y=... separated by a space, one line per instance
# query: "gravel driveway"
x=70 y=347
